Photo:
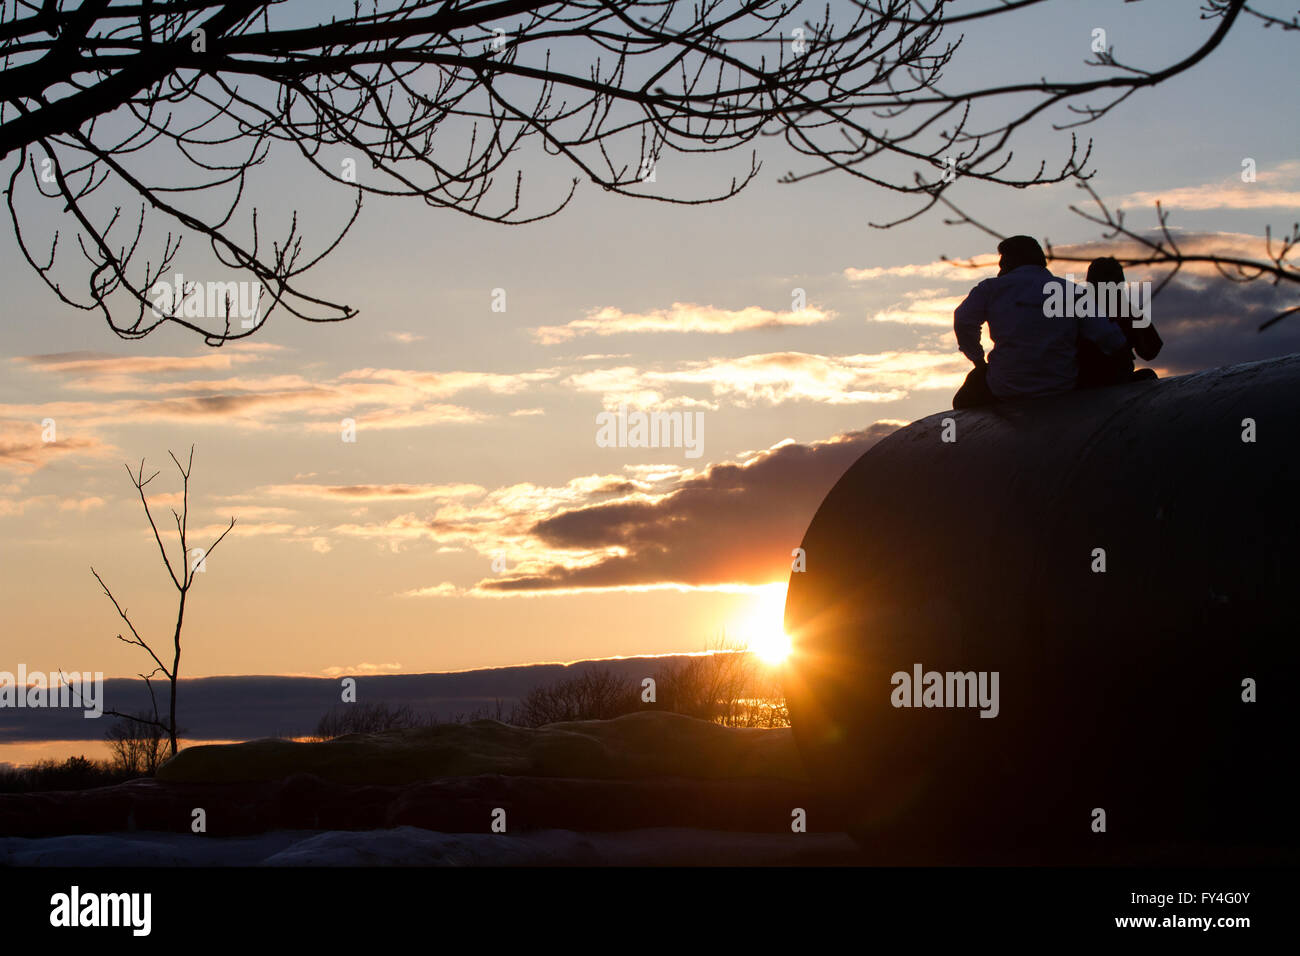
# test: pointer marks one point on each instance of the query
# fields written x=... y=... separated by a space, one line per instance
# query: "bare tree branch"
x=172 y=106
x=137 y=640
x=1277 y=265
x=183 y=586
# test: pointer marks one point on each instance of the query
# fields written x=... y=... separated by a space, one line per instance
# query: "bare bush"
x=497 y=711
x=590 y=695
x=368 y=718
x=728 y=687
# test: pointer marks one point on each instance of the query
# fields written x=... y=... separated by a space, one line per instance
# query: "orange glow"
x=761 y=630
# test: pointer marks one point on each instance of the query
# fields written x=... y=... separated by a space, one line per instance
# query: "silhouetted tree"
x=191 y=563
x=176 y=102
x=137 y=744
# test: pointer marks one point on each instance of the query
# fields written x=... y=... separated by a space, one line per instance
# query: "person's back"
x=1033 y=353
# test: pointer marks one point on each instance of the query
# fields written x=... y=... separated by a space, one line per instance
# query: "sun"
x=762 y=628
x=771 y=648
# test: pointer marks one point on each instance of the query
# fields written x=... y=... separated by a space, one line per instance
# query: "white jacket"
x=1033 y=353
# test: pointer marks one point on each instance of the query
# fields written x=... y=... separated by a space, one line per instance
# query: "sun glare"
x=762 y=629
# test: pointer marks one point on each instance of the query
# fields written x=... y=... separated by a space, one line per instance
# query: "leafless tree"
x=175 y=103
x=190 y=564
x=137 y=744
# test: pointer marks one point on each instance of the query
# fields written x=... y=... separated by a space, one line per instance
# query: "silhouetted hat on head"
x=1017 y=251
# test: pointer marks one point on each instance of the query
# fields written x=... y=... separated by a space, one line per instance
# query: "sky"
x=477 y=520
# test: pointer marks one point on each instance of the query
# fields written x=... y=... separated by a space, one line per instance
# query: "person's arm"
x=1103 y=333
x=967 y=320
x=1142 y=339
x=1146 y=342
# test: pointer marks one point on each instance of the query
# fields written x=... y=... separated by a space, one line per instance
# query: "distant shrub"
x=590 y=695
x=74 y=773
x=368 y=718
x=495 y=712
x=728 y=687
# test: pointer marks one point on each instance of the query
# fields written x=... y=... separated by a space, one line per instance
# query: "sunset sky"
x=476 y=429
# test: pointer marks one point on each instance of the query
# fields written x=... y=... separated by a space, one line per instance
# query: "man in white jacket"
x=1033 y=353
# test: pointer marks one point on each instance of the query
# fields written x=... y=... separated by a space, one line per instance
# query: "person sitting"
x=1034 y=353
x=1098 y=368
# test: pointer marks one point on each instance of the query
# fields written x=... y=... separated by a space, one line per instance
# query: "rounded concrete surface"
x=1117 y=690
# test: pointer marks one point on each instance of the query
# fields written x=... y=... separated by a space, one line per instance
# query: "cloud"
x=248 y=529
x=81 y=505
x=100 y=371
x=354 y=493
x=245 y=512
x=443 y=384
x=1275 y=187
x=777 y=377
x=389 y=419
x=445 y=589
x=374 y=398
x=23 y=449
x=363 y=669
x=1208 y=324
x=659 y=527
x=630 y=386
x=497 y=521
x=930 y=312
x=700 y=532
x=987 y=266
x=406 y=338
x=12 y=506
x=679 y=317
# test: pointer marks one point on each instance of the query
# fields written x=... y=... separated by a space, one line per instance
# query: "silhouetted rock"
x=1119 y=690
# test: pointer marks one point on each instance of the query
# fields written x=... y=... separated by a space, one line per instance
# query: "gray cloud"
x=733 y=524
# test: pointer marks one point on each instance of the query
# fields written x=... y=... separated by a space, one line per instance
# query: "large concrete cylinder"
x=1125 y=561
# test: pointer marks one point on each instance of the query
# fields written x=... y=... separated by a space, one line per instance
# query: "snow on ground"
x=411 y=846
